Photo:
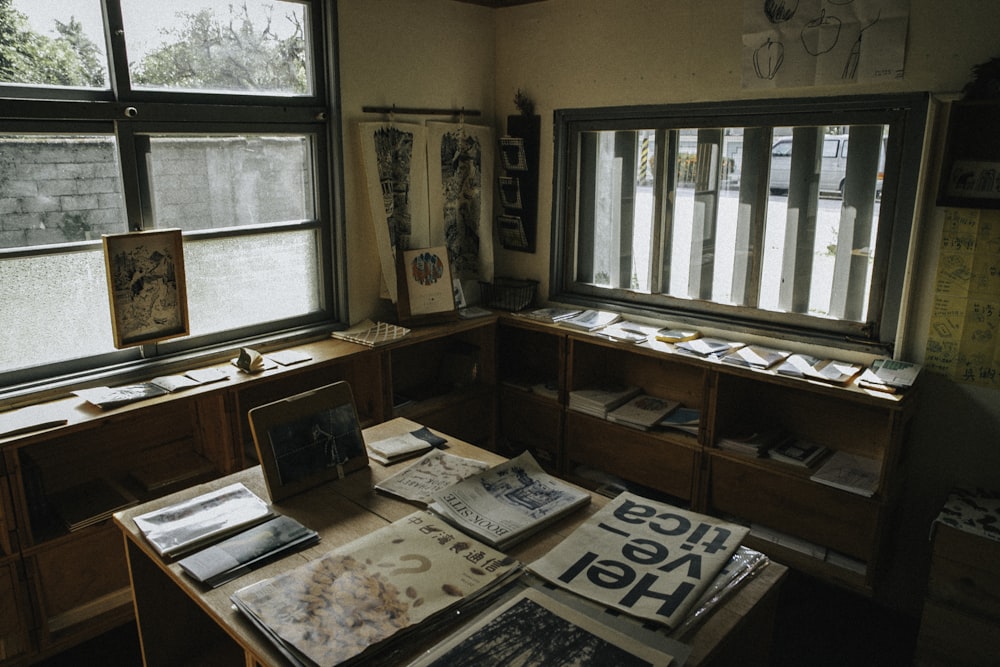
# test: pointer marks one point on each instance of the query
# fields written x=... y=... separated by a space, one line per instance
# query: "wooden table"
x=182 y=623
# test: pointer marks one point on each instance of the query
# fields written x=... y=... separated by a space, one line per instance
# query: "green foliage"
x=71 y=59
x=207 y=53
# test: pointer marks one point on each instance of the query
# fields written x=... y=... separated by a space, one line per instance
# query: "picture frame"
x=424 y=286
x=147 y=289
x=512 y=154
x=308 y=439
x=970 y=171
x=511 y=232
x=510 y=192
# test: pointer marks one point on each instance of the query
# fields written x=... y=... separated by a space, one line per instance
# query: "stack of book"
x=753 y=443
x=591 y=320
x=600 y=400
x=642 y=412
x=552 y=314
x=683 y=419
x=90 y=502
x=707 y=348
x=849 y=472
x=627 y=331
x=798 y=452
x=398 y=448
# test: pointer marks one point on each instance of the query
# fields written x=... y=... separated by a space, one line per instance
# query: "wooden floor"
x=817 y=625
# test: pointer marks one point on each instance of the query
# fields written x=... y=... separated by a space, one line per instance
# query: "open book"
x=508 y=502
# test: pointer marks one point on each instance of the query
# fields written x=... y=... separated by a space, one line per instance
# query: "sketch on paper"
x=822 y=42
x=396 y=176
x=460 y=176
x=146 y=286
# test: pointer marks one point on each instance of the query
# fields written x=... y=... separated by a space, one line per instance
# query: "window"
x=749 y=216
x=193 y=114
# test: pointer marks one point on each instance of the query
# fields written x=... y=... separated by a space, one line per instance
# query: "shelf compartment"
x=650 y=459
x=533 y=422
x=14 y=637
x=792 y=503
x=469 y=415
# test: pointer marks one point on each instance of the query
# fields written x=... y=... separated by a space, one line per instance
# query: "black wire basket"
x=511 y=294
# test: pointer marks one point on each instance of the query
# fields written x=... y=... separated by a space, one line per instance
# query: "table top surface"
x=348 y=508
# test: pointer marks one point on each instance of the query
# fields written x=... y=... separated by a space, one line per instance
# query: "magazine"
x=534 y=629
x=643 y=412
x=207 y=518
x=508 y=502
x=358 y=599
x=433 y=472
x=643 y=557
x=857 y=474
x=242 y=552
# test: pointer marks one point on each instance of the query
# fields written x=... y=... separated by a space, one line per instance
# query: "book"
x=113 y=397
x=288 y=357
x=247 y=550
x=591 y=320
x=89 y=502
x=372 y=334
x=676 y=335
x=508 y=502
x=798 y=452
x=754 y=443
x=707 y=348
x=199 y=521
x=889 y=375
x=532 y=628
x=755 y=356
x=599 y=400
x=434 y=471
x=642 y=412
x=682 y=418
x=817 y=368
x=642 y=557
x=850 y=472
x=401 y=447
x=552 y=314
x=360 y=599
x=252 y=361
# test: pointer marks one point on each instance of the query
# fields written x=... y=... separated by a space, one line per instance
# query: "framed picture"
x=425 y=285
x=512 y=154
x=145 y=272
x=510 y=193
x=511 y=231
x=307 y=439
x=970 y=171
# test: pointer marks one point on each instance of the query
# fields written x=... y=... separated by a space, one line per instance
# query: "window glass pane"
x=230 y=181
x=252 y=47
x=59 y=303
x=58 y=189
x=247 y=280
x=53 y=44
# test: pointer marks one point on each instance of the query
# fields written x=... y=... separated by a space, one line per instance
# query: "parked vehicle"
x=832 y=170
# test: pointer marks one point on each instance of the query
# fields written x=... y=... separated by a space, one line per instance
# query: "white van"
x=832 y=170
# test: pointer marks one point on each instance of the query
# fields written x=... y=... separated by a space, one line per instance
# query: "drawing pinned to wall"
x=963 y=341
x=460 y=179
x=395 y=164
x=823 y=42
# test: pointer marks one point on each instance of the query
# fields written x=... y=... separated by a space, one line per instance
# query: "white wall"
x=580 y=53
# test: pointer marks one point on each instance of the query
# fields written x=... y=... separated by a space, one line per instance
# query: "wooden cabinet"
x=845 y=534
x=59 y=587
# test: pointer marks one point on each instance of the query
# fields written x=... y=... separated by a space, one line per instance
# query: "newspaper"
x=643 y=557
x=508 y=502
x=433 y=472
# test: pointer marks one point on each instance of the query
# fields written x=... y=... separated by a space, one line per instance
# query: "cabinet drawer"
x=80 y=579
x=529 y=420
x=837 y=519
x=633 y=455
x=13 y=606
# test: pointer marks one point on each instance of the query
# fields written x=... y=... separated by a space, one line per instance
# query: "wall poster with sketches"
x=460 y=178
x=395 y=167
x=823 y=42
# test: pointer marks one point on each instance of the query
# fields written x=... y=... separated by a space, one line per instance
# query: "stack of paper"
x=849 y=472
x=598 y=401
x=591 y=320
x=642 y=412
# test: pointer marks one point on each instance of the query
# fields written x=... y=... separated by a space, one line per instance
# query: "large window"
x=125 y=115
x=751 y=216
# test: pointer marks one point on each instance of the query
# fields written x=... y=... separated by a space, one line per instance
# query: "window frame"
x=126 y=113
x=905 y=113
